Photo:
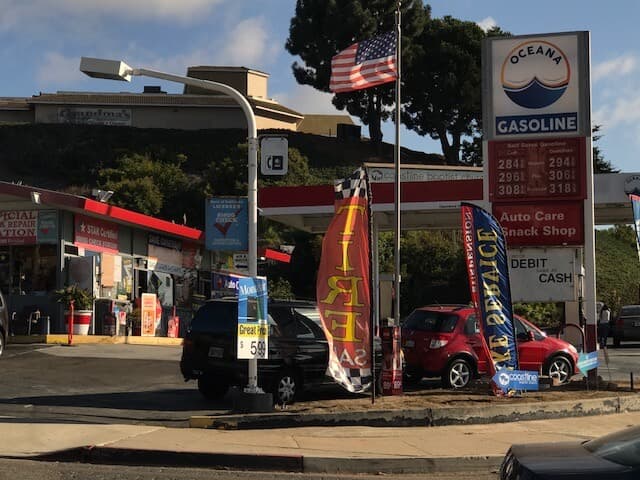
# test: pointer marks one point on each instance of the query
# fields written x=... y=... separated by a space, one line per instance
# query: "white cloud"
x=487 y=23
x=18 y=14
x=248 y=44
x=622 y=65
x=306 y=99
x=623 y=111
x=56 y=70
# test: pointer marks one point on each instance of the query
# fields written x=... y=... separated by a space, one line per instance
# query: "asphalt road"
x=619 y=362
x=30 y=470
x=99 y=383
x=142 y=384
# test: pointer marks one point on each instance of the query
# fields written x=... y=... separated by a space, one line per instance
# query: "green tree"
x=442 y=86
x=149 y=186
x=320 y=29
x=600 y=164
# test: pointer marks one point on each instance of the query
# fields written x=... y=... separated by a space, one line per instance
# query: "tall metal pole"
x=396 y=158
x=252 y=200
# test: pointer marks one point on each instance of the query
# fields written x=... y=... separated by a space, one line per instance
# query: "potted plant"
x=82 y=306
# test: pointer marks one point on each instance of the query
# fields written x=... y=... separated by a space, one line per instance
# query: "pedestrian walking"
x=603 y=325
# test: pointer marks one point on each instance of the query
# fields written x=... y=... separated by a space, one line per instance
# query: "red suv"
x=444 y=341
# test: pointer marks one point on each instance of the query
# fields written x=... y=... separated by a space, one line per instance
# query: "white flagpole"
x=396 y=243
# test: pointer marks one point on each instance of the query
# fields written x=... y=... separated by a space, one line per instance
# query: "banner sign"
x=18 y=227
x=635 y=203
x=587 y=361
x=521 y=380
x=343 y=286
x=95 y=234
x=253 y=328
x=542 y=274
x=224 y=284
x=486 y=256
x=226 y=224
x=541 y=224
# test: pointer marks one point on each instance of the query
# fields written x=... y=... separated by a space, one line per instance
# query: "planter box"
x=81 y=321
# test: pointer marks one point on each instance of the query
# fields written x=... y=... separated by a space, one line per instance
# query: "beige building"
x=194 y=109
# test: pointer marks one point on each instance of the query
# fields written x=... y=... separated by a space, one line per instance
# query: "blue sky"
x=41 y=42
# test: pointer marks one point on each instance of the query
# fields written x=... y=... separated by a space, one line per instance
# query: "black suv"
x=298 y=350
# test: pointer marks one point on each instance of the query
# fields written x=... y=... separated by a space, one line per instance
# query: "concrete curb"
x=424 y=417
x=273 y=463
x=62 y=339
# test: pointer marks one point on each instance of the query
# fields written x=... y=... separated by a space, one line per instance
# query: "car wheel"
x=560 y=368
x=285 y=387
x=616 y=341
x=458 y=374
x=212 y=389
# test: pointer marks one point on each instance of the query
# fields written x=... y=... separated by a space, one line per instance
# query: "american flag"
x=365 y=64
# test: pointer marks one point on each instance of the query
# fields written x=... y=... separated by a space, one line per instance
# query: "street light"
x=118 y=70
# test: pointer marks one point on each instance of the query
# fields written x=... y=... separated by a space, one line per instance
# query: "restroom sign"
x=274 y=156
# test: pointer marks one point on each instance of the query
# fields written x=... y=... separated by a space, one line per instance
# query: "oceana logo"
x=535 y=74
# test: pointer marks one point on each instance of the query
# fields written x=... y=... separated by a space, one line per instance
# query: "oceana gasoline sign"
x=536 y=85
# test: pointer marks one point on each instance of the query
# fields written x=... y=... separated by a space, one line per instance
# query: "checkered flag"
x=355 y=380
x=352 y=186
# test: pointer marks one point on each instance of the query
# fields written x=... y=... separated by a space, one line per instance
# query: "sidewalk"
x=307 y=449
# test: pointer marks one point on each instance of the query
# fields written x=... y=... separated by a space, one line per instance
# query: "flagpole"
x=396 y=157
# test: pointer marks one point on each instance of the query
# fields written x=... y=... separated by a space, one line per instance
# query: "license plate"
x=409 y=344
x=636 y=324
x=216 y=352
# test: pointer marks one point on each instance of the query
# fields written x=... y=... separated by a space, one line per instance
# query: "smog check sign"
x=535 y=84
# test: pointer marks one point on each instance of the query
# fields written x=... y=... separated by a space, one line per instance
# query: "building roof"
x=11 y=192
x=155 y=100
x=323 y=124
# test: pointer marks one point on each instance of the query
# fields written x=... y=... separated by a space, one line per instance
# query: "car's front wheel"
x=212 y=389
x=560 y=368
x=458 y=374
x=286 y=387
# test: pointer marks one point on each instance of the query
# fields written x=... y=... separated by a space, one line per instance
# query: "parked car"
x=626 y=325
x=4 y=323
x=445 y=341
x=297 y=358
x=612 y=457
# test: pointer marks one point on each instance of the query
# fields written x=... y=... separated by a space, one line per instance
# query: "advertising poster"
x=226 y=224
x=18 y=227
x=96 y=235
x=635 y=203
x=253 y=328
x=148 y=314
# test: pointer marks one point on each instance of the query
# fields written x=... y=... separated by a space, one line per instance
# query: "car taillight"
x=438 y=343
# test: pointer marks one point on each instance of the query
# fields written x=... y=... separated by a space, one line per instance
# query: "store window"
x=28 y=269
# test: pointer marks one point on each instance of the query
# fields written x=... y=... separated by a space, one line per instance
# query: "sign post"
x=537 y=139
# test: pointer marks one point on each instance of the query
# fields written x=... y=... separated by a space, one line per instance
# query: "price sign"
x=253 y=327
x=537 y=170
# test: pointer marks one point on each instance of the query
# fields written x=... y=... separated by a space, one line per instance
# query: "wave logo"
x=535 y=74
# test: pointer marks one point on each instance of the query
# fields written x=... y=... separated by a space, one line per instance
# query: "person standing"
x=603 y=325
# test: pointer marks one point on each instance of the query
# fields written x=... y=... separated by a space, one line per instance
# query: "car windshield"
x=630 y=310
x=621 y=447
x=430 y=321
